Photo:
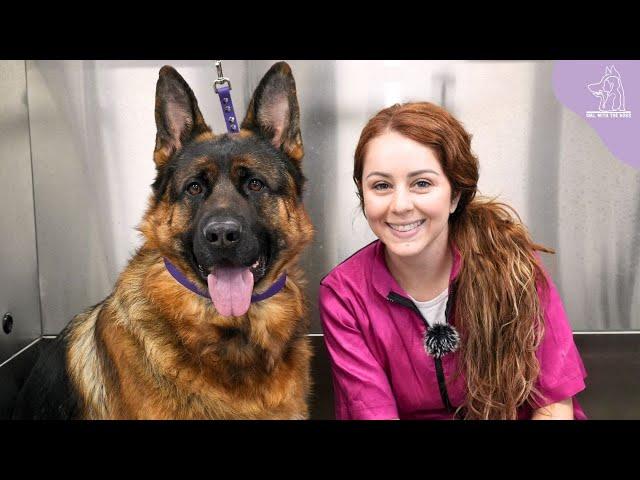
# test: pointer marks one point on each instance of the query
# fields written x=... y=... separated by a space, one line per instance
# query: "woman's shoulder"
x=355 y=268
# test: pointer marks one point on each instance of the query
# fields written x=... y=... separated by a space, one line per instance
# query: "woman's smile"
x=405 y=230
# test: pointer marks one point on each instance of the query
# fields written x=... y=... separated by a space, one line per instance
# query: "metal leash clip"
x=221 y=80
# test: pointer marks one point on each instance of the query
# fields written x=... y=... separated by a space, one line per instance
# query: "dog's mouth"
x=231 y=286
x=258 y=269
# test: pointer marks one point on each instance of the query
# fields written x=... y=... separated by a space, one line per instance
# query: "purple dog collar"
x=182 y=280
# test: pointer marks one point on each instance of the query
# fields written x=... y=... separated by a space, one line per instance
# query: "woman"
x=449 y=314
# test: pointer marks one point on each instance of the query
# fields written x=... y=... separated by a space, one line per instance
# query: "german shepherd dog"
x=226 y=211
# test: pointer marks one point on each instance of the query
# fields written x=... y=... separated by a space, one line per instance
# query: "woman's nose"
x=401 y=202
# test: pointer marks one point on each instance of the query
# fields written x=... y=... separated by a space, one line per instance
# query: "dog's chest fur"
x=140 y=360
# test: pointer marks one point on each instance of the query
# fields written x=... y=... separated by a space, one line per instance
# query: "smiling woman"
x=449 y=314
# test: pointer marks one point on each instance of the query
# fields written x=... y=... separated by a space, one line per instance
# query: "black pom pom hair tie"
x=441 y=339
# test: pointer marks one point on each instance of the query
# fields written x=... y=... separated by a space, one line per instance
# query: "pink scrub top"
x=379 y=365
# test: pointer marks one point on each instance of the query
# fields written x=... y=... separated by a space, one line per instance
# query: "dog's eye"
x=255 y=185
x=194 y=188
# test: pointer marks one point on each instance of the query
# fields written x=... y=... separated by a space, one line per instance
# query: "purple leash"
x=224 y=92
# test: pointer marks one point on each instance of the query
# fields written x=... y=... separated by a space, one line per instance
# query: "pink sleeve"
x=361 y=388
x=562 y=372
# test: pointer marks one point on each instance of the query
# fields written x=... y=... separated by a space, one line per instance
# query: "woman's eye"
x=381 y=186
x=194 y=188
x=423 y=184
x=255 y=185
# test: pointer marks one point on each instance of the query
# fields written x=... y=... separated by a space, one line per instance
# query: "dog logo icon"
x=611 y=94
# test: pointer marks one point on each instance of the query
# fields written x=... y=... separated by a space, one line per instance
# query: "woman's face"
x=407 y=197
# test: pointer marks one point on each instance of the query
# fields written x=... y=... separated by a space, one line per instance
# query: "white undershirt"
x=434 y=310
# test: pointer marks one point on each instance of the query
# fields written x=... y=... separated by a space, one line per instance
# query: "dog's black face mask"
x=231 y=194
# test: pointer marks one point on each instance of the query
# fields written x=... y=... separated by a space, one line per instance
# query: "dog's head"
x=227 y=209
x=609 y=81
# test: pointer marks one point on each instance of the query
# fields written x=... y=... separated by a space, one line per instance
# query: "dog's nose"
x=225 y=233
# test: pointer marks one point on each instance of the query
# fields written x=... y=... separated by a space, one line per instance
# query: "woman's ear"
x=454 y=203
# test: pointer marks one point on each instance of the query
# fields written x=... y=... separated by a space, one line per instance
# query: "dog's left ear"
x=274 y=113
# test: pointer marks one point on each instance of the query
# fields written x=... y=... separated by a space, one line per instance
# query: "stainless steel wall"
x=18 y=262
x=92 y=134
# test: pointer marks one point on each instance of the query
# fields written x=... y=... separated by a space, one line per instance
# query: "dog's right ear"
x=274 y=113
x=178 y=117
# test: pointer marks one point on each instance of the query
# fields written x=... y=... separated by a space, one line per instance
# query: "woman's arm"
x=562 y=410
x=361 y=388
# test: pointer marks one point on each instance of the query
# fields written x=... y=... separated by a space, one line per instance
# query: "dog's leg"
x=619 y=103
x=603 y=102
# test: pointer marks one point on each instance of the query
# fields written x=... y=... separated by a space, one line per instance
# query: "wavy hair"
x=497 y=305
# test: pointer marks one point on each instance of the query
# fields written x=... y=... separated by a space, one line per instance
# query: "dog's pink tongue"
x=230 y=289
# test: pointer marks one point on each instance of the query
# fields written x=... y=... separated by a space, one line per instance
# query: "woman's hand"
x=562 y=410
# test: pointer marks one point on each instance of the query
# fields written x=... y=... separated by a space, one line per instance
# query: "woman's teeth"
x=407 y=227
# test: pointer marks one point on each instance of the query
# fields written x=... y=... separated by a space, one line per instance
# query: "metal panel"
x=18 y=265
x=598 y=231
